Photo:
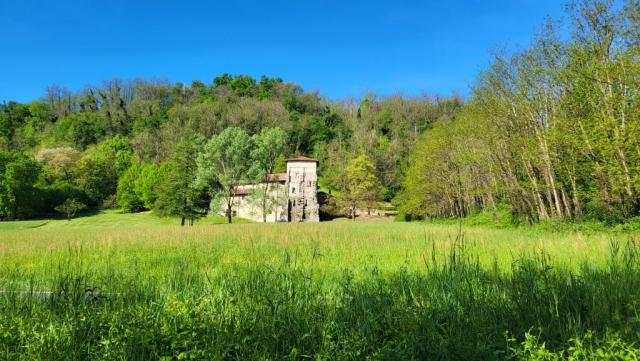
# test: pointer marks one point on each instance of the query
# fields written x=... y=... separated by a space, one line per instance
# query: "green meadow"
x=133 y=286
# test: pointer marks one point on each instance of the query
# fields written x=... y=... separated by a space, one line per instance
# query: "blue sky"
x=341 y=48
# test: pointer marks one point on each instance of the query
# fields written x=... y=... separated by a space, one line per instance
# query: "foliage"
x=87 y=138
x=580 y=348
x=70 y=207
x=146 y=185
x=178 y=194
x=138 y=187
x=59 y=163
x=19 y=196
x=129 y=199
x=267 y=147
x=362 y=188
x=223 y=164
x=101 y=166
x=551 y=131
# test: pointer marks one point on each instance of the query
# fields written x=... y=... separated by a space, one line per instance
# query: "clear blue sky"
x=342 y=48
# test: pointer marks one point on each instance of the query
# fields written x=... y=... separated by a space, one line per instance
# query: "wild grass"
x=135 y=287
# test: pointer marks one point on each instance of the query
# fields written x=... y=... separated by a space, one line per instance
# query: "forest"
x=548 y=132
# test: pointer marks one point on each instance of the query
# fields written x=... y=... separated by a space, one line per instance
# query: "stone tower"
x=302 y=189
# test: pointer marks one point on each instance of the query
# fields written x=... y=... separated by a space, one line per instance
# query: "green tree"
x=268 y=146
x=146 y=185
x=362 y=185
x=12 y=116
x=223 y=165
x=244 y=85
x=59 y=163
x=19 y=196
x=128 y=198
x=102 y=165
x=178 y=195
x=82 y=129
x=138 y=187
x=70 y=207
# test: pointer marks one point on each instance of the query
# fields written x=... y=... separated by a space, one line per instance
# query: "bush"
x=56 y=193
x=70 y=207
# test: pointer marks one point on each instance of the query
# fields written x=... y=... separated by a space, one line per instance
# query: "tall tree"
x=178 y=194
x=362 y=185
x=223 y=164
x=268 y=146
x=19 y=196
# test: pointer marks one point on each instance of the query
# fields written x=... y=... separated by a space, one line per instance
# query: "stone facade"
x=294 y=194
x=302 y=187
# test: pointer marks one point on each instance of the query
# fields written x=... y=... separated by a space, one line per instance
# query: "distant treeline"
x=550 y=132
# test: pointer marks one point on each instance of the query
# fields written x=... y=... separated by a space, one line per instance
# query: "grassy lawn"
x=108 y=219
x=114 y=242
x=335 y=290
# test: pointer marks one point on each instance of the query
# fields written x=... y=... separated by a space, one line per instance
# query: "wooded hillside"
x=78 y=145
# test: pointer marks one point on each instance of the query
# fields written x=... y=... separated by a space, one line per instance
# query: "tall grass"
x=116 y=297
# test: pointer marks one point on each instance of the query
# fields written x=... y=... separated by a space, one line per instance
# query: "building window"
x=293 y=190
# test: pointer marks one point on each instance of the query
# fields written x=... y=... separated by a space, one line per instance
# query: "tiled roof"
x=302 y=159
x=277 y=177
x=242 y=191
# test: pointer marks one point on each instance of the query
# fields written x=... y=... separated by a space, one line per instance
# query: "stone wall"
x=244 y=208
x=303 y=192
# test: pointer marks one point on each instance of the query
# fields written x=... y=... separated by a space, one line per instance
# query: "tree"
x=127 y=197
x=138 y=187
x=178 y=195
x=146 y=185
x=12 y=117
x=223 y=164
x=19 y=196
x=102 y=165
x=59 y=163
x=362 y=185
x=70 y=207
x=268 y=146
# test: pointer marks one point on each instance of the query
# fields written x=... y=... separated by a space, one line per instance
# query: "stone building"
x=293 y=196
x=302 y=186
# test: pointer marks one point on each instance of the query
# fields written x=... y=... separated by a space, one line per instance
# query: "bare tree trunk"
x=576 y=200
x=567 y=204
x=542 y=209
x=549 y=174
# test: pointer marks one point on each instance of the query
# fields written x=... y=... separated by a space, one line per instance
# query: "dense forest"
x=549 y=132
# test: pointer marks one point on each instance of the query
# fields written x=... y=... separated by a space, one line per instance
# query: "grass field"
x=134 y=286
